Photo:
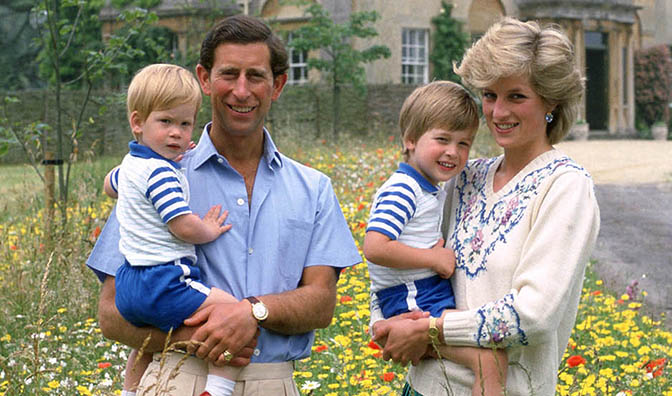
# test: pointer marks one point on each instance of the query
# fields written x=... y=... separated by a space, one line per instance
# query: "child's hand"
x=191 y=146
x=443 y=259
x=213 y=220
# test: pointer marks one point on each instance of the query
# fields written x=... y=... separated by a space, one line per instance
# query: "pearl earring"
x=549 y=117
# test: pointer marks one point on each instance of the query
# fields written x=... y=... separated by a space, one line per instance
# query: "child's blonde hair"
x=439 y=104
x=162 y=86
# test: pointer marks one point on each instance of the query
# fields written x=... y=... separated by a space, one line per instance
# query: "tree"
x=450 y=42
x=17 y=32
x=67 y=60
x=341 y=63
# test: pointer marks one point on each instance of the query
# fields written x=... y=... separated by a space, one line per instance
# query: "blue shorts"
x=161 y=295
x=433 y=294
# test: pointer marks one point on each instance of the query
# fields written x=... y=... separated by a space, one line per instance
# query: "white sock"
x=127 y=393
x=219 y=386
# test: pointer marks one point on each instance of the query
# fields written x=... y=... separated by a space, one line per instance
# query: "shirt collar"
x=140 y=151
x=420 y=179
x=206 y=150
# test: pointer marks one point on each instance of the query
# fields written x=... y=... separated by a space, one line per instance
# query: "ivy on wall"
x=653 y=83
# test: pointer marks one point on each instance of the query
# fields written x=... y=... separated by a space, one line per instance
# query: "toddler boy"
x=159 y=284
x=408 y=264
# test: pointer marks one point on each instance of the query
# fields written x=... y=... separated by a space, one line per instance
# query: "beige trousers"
x=183 y=375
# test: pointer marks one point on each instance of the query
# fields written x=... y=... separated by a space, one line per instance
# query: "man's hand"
x=224 y=327
x=404 y=337
x=443 y=259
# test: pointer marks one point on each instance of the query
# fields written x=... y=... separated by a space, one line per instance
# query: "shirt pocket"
x=293 y=250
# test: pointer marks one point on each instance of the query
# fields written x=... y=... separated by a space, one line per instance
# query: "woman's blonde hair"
x=439 y=104
x=160 y=87
x=544 y=55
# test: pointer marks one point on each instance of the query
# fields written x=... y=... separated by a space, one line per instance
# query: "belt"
x=252 y=372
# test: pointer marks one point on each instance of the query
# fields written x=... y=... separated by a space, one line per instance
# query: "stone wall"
x=301 y=111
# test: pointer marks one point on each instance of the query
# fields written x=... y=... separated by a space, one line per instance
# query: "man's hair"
x=162 y=86
x=439 y=104
x=242 y=29
x=543 y=55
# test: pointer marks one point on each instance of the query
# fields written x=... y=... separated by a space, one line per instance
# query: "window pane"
x=413 y=56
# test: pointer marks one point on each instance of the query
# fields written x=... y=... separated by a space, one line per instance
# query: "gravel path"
x=634 y=190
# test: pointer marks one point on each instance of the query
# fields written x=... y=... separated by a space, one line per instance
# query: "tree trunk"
x=336 y=121
x=49 y=196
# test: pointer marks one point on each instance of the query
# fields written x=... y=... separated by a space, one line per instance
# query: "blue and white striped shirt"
x=407 y=208
x=152 y=191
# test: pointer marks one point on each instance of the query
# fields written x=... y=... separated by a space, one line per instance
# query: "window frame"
x=414 y=56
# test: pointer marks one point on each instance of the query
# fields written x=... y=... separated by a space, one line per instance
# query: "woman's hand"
x=405 y=337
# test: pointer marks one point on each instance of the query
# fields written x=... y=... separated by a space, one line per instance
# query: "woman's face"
x=515 y=114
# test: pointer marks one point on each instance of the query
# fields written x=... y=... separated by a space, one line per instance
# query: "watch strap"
x=433 y=330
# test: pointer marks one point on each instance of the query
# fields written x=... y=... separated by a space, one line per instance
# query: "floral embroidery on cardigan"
x=499 y=324
x=480 y=227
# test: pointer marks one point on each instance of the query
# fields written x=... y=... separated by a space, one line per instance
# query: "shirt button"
x=250 y=250
x=240 y=201
x=257 y=352
x=220 y=160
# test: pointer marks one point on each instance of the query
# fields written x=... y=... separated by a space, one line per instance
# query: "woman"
x=522 y=225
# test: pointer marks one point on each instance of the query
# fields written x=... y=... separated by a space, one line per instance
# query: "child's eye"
x=489 y=95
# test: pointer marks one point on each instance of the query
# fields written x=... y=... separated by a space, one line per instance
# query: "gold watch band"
x=433 y=330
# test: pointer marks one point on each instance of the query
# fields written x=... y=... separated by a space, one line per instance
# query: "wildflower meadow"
x=50 y=342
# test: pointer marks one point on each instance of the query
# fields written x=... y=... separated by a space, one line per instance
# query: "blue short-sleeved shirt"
x=294 y=221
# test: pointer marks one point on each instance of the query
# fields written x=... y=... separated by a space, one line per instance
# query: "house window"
x=298 y=66
x=414 y=56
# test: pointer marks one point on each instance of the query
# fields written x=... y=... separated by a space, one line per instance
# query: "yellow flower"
x=83 y=390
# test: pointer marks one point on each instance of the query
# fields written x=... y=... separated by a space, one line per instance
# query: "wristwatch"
x=259 y=309
x=433 y=331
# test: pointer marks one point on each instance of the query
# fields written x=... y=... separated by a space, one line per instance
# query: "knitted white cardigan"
x=521 y=256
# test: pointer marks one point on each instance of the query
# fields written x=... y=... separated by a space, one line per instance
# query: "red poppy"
x=346 y=299
x=13 y=247
x=596 y=293
x=373 y=345
x=321 y=348
x=575 y=360
x=655 y=367
x=387 y=377
x=104 y=365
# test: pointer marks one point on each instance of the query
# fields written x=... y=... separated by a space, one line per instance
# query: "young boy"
x=408 y=265
x=159 y=283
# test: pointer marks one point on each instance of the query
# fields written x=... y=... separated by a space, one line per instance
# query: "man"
x=289 y=238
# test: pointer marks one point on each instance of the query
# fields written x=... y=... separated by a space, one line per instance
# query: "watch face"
x=259 y=311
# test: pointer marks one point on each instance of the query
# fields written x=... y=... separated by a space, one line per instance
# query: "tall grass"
x=50 y=342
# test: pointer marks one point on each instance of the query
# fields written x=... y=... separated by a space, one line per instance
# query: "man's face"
x=241 y=87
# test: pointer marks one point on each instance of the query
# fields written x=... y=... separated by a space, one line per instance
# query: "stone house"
x=606 y=34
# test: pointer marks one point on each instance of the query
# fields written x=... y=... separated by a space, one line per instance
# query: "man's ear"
x=203 y=78
x=278 y=84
